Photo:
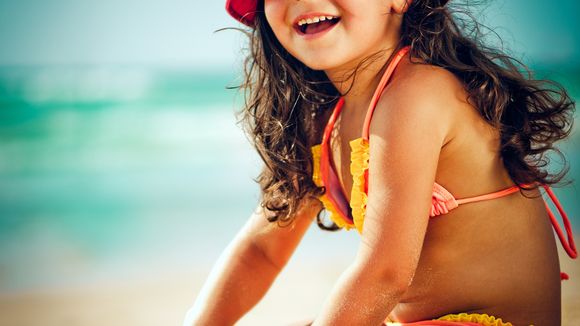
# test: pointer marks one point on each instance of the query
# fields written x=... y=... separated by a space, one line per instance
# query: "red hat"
x=242 y=10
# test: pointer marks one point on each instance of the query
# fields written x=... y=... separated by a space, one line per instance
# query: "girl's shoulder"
x=417 y=80
x=423 y=93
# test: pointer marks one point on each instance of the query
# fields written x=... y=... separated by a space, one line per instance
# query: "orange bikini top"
x=351 y=214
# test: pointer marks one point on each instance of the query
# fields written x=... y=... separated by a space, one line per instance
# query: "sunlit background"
x=121 y=164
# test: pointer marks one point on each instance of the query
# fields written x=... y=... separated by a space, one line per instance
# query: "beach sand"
x=297 y=295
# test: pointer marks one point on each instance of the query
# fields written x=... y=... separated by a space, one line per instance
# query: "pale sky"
x=180 y=32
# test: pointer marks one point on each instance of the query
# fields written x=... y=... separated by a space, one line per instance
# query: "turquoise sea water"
x=109 y=171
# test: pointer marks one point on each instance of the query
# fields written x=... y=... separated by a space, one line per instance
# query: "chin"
x=324 y=59
x=319 y=62
x=318 y=66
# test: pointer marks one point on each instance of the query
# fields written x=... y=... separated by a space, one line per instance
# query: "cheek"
x=275 y=11
x=362 y=24
x=363 y=17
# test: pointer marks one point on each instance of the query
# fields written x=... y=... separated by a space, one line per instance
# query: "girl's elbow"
x=398 y=281
x=397 y=278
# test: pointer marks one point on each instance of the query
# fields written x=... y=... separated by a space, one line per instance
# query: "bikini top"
x=351 y=214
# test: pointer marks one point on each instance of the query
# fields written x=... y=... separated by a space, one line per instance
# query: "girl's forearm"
x=240 y=278
x=361 y=297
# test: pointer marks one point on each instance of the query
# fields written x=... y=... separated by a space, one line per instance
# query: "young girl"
x=391 y=115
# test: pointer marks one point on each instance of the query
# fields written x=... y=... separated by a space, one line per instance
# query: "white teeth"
x=314 y=20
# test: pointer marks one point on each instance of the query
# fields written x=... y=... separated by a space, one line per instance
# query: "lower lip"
x=317 y=34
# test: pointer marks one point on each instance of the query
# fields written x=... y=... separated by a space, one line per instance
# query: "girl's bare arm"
x=248 y=267
x=405 y=146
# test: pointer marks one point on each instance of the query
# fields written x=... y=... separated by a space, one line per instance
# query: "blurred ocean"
x=111 y=172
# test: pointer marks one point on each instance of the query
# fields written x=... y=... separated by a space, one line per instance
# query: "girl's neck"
x=357 y=88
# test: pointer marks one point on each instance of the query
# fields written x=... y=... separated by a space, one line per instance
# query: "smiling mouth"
x=316 y=25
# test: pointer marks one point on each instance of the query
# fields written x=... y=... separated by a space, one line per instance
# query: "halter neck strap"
x=375 y=99
x=384 y=81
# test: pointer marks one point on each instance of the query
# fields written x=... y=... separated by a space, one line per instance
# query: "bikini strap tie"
x=568 y=244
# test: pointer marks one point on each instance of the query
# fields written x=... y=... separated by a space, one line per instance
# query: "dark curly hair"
x=284 y=102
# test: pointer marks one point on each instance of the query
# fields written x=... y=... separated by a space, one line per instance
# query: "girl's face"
x=346 y=32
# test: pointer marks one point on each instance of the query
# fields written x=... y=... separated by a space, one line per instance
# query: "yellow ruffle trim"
x=359 y=162
x=483 y=319
x=334 y=214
